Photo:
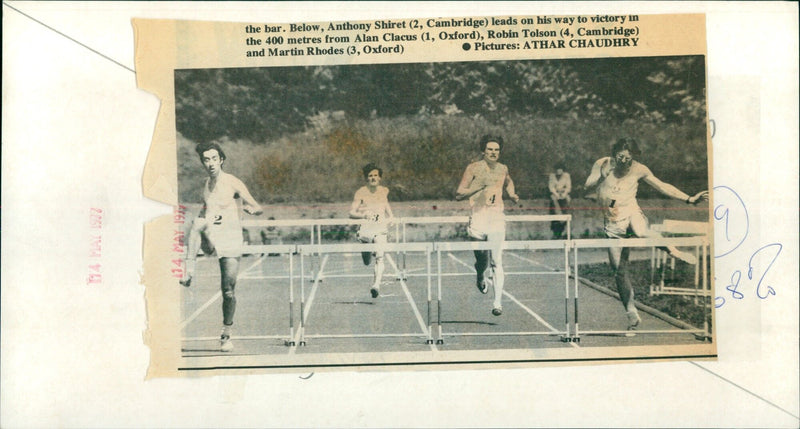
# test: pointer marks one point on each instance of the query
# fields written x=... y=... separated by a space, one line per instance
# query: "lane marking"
x=533 y=262
x=212 y=300
x=453 y=257
x=310 y=301
x=524 y=307
x=413 y=305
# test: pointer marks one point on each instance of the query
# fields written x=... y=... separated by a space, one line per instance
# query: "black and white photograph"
x=414 y=210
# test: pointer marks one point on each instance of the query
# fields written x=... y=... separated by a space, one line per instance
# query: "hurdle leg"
x=404 y=252
x=576 y=338
x=653 y=288
x=291 y=300
x=302 y=327
x=430 y=329
x=705 y=254
x=672 y=268
x=439 y=296
x=697 y=274
x=400 y=268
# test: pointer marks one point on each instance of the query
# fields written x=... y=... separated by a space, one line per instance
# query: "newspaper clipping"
x=427 y=193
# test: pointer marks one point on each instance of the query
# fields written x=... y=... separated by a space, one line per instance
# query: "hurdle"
x=403 y=222
x=699 y=241
x=659 y=260
x=318 y=249
x=440 y=247
x=315 y=235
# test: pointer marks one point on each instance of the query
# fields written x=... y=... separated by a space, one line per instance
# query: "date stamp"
x=178 y=218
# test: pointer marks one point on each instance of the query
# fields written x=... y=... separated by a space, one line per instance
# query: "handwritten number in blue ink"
x=720 y=214
x=732 y=212
x=770 y=289
x=734 y=284
x=719 y=302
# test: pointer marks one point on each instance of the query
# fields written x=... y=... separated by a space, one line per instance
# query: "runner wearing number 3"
x=483 y=182
x=617 y=180
x=371 y=203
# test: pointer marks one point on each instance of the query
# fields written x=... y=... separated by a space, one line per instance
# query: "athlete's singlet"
x=491 y=197
x=487 y=205
x=222 y=216
x=373 y=204
x=617 y=195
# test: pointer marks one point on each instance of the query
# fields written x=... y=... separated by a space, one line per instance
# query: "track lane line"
x=295 y=340
x=213 y=298
x=515 y=300
x=413 y=305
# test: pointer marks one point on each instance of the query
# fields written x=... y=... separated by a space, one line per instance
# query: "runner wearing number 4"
x=371 y=203
x=483 y=183
x=219 y=229
x=617 y=180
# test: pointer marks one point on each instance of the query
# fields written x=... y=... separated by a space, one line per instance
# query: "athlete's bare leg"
x=376 y=284
x=481 y=264
x=229 y=269
x=641 y=229
x=619 y=259
x=499 y=280
x=193 y=246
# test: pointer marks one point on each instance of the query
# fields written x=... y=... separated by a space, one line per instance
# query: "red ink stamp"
x=178 y=217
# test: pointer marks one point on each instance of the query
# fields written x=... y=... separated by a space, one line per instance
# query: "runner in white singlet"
x=219 y=223
x=371 y=203
x=617 y=180
x=483 y=183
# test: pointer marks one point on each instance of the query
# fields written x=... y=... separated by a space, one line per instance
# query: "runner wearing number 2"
x=617 y=180
x=483 y=183
x=218 y=224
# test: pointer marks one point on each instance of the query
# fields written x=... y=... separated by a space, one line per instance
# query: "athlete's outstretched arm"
x=250 y=205
x=672 y=191
x=468 y=187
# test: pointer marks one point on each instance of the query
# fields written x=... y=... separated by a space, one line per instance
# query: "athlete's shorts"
x=380 y=238
x=636 y=224
x=225 y=237
x=487 y=226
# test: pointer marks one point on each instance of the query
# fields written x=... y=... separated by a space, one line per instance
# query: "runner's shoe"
x=633 y=323
x=186 y=281
x=483 y=286
x=375 y=291
x=225 y=343
x=497 y=311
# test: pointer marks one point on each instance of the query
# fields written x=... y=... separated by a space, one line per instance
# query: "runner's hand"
x=696 y=198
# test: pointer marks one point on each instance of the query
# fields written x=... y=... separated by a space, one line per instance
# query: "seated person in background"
x=560 y=185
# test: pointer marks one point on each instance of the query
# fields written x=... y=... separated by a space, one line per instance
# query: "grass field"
x=682 y=308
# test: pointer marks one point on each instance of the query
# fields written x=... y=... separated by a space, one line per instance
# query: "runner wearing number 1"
x=617 y=180
x=483 y=182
